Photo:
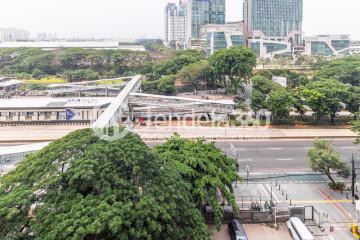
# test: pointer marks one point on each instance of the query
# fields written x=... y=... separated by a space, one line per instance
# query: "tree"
x=324 y=159
x=353 y=101
x=194 y=72
x=356 y=129
x=233 y=67
x=205 y=168
x=280 y=103
x=325 y=97
x=173 y=65
x=166 y=84
x=35 y=62
x=299 y=103
x=262 y=87
x=81 y=187
x=346 y=70
x=262 y=62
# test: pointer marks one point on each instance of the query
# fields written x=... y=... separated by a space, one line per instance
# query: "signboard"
x=81 y=102
x=280 y=80
x=69 y=115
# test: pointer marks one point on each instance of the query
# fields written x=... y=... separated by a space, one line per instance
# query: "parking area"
x=255 y=232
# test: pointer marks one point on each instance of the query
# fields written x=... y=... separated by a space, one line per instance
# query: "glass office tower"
x=202 y=12
x=274 y=18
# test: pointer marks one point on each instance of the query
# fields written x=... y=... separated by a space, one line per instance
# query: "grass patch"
x=46 y=80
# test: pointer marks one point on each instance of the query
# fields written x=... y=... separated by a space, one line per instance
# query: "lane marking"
x=337 y=205
x=331 y=238
x=265 y=191
x=273 y=192
x=240 y=149
x=245 y=160
x=274 y=148
x=284 y=159
x=348 y=147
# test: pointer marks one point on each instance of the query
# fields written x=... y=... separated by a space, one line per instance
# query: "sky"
x=128 y=19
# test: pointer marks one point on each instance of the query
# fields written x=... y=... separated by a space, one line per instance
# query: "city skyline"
x=111 y=19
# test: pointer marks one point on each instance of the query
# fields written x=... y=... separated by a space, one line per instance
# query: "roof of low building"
x=47 y=102
x=8 y=83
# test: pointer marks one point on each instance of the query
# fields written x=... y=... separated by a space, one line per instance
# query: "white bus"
x=298 y=229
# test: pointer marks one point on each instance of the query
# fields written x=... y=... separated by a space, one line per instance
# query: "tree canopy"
x=72 y=63
x=280 y=103
x=261 y=90
x=324 y=159
x=325 y=97
x=346 y=70
x=233 y=66
x=81 y=187
x=195 y=72
x=174 y=64
x=205 y=168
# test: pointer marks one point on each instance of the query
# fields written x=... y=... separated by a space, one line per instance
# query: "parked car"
x=236 y=230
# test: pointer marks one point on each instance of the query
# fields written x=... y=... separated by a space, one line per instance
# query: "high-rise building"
x=273 y=18
x=176 y=24
x=267 y=22
x=13 y=35
x=203 y=12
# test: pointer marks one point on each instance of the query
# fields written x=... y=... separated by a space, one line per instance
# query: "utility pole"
x=353 y=177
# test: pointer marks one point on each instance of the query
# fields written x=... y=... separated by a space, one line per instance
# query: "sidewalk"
x=31 y=134
x=239 y=133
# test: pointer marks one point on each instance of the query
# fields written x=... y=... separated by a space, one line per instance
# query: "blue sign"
x=69 y=114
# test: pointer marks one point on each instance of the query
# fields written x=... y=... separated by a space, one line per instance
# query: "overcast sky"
x=139 y=18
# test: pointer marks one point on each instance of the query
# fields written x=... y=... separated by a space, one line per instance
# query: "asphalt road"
x=281 y=156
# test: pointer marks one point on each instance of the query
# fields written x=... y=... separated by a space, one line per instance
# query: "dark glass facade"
x=340 y=44
x=237 y=40
x=277 y=18
x=320 y=48
x=273 y=47
x=206 y=12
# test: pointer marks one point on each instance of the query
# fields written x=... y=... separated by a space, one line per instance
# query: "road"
x=281 y=156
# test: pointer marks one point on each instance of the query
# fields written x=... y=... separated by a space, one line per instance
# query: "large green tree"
x=81 y=187
x=174 y=64
x=205 y=168
x=194 y=73
x=261 y=89
x=232 y=67
x=324 y=159
x=280 y=103
x=325 y=97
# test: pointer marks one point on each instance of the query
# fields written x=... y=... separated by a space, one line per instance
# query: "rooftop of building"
x=9 y=82
x=67 y=44
x=47 y=102
x=323 y=36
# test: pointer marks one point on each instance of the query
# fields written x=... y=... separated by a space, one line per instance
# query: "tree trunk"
x=329 y=176
x=317 y=117
x=332 y=116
